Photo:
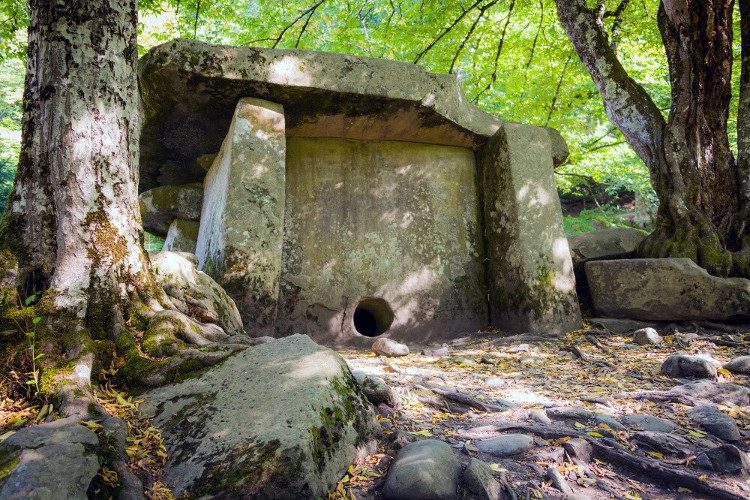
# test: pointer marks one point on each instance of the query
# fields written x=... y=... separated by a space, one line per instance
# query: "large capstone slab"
x=669 y=289
x=280 y=420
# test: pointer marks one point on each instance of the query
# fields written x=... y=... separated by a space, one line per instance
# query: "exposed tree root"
x=610 y=451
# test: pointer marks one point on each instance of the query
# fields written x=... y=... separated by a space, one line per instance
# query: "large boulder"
x=161 y=205
x=52 y=460
x=181 y=236
x=424 y=470
x=669 y=289
x=280 y=420
x=605 y=244
x=194 y=292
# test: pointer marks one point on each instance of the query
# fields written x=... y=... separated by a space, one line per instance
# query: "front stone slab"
x=241 y=231
x=665 y=290
x=281 y=420
x=530 y=272
x=382 y=228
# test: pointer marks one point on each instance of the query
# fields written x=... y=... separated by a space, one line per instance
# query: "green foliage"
x=11 y=93
x=152 y=242
x=588 y=220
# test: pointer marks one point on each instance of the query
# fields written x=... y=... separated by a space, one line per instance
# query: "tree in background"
x=703 y=190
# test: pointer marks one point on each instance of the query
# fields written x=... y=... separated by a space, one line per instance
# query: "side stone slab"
x=241 y=230
x=281 y=420
x=530 y=272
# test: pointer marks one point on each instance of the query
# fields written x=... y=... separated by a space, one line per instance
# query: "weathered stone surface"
x=649 y=423
x=668 y=444
x=558 y=481
x=424 y=470
x=188 y=287
x=389 y=348
x=560 y=150
x=713 y=391
x=684 y=365
x=725 y=458
x=739 y=365
x=181 y=236
x=375 y=389
x=392 y=221
x=665 y=289
x=716 y=422
x=325 y=94
x=280 y=420
x=605 y=244
x=618 y=325
x=647 y=336
x=579 y=448
x=479 y=482
x=506 y=445
x=49 y=461
x=161 y=205
x=241 y=231
x=532 y=286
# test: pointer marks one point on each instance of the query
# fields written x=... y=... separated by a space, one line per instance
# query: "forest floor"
x=565 y=394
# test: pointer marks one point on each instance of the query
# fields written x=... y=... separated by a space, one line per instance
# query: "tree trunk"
x=743 y=139
x=692 y=168
x=73 y=222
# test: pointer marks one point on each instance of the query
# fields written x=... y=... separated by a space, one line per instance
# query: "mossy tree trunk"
x=702 y=189
x=73 y=223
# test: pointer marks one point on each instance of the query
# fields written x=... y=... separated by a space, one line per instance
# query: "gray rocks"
x=646 y=336
x=664 y=289
x=683 y=365
x=374 y=388
x=506 y=445
x=479 y=482
x=558 y=481
x=606 y=243
x=389 y=348
x=48 y=461
x=280 y=420
x=161 y=205
x=669 y=444
x=424 y=470
x=739 y=365
x=724 y=458
x=579 y=449
x=181 y=236
x=649 y=423
x=194 y=292
x=716 y=422
x=712 y=391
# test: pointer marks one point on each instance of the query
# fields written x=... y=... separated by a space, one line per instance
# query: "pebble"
x=389 y=348
x=506 y=445
x=647 y=336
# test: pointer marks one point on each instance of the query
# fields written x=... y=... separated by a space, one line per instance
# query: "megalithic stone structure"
x=353 y=198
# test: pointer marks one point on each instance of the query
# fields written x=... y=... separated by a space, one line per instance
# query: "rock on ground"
x=374 y=388
x=739 y=365
x=506 y=445
x=683 y=365
x=646 y=336
x=607 y=243
x=161 y=205
x=649 y=423
x=423 y=470
x=52 y=460
x=389 y=348
x=716 y=422
x=280 y=420
x=479 y=482
x=724 y=458
x=194 y=291
x=181 y=236
x=666 y=289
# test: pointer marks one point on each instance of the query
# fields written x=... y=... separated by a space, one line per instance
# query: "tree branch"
x=500 y=43
x=557 y=90
x=447 y=30
x=627 y=104
x=538 y=32
x=474 y=25
x=304 y=13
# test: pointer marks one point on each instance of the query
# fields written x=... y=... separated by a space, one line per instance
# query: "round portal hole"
x=372 y=317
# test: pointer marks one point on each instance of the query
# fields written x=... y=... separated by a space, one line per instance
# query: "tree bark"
x=743 y=137
x=691 y=165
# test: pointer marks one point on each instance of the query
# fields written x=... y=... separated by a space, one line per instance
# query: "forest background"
x=511 y=57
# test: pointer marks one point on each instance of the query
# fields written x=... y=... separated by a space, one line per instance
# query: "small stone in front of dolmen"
x=579 y=448
x=479 y=482
x=646 y=336
x=389 y=348
x=506 y=445
x=684 y=365
x=649 y=423
x=424 y=470
x=739 y=365
x=375 y=389
x=724 y=458
x=716 y=422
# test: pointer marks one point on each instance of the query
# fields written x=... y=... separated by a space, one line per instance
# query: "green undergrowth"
x=594 y=219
